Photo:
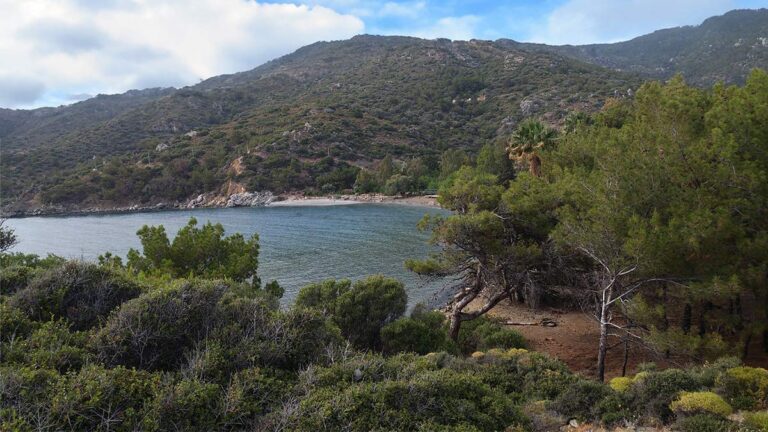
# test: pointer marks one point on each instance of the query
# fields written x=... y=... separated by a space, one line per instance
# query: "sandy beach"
x=301 y=200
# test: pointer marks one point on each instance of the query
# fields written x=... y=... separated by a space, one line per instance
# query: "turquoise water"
x=298 y=244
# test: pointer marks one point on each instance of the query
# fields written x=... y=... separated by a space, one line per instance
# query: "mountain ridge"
x=305 y=121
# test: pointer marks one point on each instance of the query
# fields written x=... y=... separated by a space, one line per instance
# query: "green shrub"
x=707 y=374
x=197 y=251
x=704 y=423
x=294 y=339
x=613 y=409
x=322 y=296
x=186 y=405
x=79 y=292
x=368 y=306
x=621 y=384
x=51 y=346
x=580 y=399
x=28 y=392
x=14 y=278
x=14 y=324
x=252 y=333
x=652 y=393
x=483 y=333
x=540 y=376
x=154 y=330
x=104 y=399
x=744 y=387
x=250 y=395
x=385 y=396
x=542 y=418
x=689 y=403
x=423 y=332
x=757 y=420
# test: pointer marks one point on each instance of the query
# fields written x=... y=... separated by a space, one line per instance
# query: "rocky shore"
x=210 y=200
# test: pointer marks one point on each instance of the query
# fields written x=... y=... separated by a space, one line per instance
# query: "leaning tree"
x=494 y=247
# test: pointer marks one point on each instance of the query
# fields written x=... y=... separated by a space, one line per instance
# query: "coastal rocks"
x=196 y=202
x=239 y=198
x=250 y=199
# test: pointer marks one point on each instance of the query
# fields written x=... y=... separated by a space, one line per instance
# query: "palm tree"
x=531 y=135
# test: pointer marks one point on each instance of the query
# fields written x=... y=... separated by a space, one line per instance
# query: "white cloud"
x=76 y=47
x=402 y=10
x=454 y=28
x=593 y=21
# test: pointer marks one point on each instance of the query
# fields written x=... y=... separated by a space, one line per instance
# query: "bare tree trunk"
x=603 y=344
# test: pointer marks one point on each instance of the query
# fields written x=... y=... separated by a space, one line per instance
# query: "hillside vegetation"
x=311 y=120
x=307 y=121
x=107 y=346
x=722 y=48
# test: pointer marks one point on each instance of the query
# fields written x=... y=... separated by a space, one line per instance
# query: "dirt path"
x=573 y=340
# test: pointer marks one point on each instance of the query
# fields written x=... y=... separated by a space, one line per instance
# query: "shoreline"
x=287 y=200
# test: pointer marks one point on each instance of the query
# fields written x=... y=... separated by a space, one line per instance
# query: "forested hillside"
x=722 y=48
x=306 y=121
x=318 y=119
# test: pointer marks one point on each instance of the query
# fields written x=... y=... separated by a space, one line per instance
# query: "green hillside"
x=723 y=48
x=311 y=120
x=305 y=121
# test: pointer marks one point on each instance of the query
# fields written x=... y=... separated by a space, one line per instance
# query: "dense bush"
x=652 y=394
x=744 y=387
x=757 y=420
x=103 y=399
x=691 y=403
x=580 y=400
x=14 y=278
x=704 y=423
x=79 y=292
x=620 y=384
x=361 y=310
x=251 y=394
x=52 y=346
x=154 y=330
x=484 y=333
x=423 y=332
x=186 y=405
x=403 y=393
x=322 y=296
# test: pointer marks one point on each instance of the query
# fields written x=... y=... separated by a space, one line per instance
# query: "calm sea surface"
x=298 y=244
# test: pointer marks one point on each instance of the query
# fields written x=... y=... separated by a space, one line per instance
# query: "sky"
x=61 y=51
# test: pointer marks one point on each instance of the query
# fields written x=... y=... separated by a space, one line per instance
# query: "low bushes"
x=620 y=384
x=361 y=309
x=79 y=292
x=757 y=420
x=704 y=423
x=404 y=393
x=744 y=387
x=653 y=393
x=14 y=278
x=690 y=403
x=483 y=333
x=153 y=331
x=580 y=399
x=423 y=332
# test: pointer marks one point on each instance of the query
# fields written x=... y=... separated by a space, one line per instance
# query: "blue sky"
x=61 y=51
